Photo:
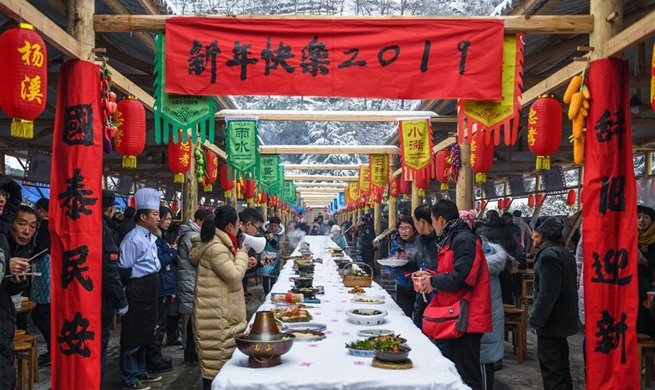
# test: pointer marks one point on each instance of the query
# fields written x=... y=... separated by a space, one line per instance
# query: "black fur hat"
x=551 y=228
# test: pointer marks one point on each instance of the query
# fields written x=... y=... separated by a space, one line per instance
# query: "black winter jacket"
x=555 y=309
x=498 y=232
x=7 y=287
x=113 y=295
x=428 y=250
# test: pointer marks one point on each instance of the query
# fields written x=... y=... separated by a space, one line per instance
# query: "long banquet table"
x=326 y=364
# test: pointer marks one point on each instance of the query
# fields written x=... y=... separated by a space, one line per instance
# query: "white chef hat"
x=147 y=199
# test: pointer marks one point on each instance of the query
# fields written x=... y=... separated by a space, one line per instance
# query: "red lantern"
x=227 y=182
x=570 y=198
x=501 y=204
x=443 y=168
x=132 y=202
x=531 y=201
x=130 y=139
x=540 y=199
x=482 y=156
x=174 y=206
x=179 y=157
x=507 y=203
x=378 y=196
x=211 y=171
x=406 y=188
x=24 y=81
x=394 y=187
x=422 y=182
x=264 y=199
x=249 y=186
x=544 y=129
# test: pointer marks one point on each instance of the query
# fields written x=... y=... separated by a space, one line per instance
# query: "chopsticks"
x=30 y=259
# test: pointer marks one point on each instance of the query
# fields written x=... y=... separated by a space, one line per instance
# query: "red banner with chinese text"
x=76 y=229
x=366 y=58
x=610 y=260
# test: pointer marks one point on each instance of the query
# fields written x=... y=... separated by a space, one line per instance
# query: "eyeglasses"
x=404 y=228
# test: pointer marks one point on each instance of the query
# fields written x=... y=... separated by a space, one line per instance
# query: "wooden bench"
x=516 y=322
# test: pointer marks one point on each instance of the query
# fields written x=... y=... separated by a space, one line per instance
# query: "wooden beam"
x=548 y=24
x=443 y=144
x=126 y=86
x=300 y=185
x=118 y=8
x=330 y=191
x=332 y=116
x=150 y=7
x=64 y=42
x=332 y=167
x=328 y=149
x=219 y=152
x=553 y=82
x=638 y=32
x=50 y=31
x=321 y=177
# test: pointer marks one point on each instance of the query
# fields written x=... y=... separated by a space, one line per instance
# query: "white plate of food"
x=316 y=326
x=392 y=262
x=369 y=299
x=367 y=316
x=307 y=335
x=374 y=332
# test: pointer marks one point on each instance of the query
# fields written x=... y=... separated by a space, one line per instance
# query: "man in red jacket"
x=462 y=274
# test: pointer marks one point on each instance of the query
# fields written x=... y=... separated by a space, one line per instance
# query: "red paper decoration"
x=482 y=156
x=443 y=168
x=132 y=202
x=249 y=186
x=571 y=196
x=394 y=187
x=24 y=81
x=130 y=139
x=501 y=204
x=211 y=171
x=422 y=181
x=540 y=199
x=544 y=129
x=507 y=203
x=406 y=188
x=227 y=182
x=174 y=206
x=179 y=157
x=531 y=201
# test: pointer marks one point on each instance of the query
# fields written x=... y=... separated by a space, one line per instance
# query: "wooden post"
x=464 y=190
x=2 y=164
x=265 y=212
x=233 y=199
x=647 y=173
x=80 y=25
x=377 y=217
x=604 y=30
x=416 y=200
x=190 y=190
x=393 y=212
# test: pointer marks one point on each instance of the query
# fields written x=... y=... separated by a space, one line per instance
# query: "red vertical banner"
x=76 y=229
x=610 y=260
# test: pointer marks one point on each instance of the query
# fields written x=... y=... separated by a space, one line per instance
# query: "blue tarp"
x=32 y=194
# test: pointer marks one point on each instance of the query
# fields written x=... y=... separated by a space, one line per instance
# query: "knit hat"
x=646 y=210
x=550 y=228
x=147 y=199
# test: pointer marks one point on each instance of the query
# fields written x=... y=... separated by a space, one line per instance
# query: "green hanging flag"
x=269 y=172
x=280 y=182
x=242 y=146
x=175 y=112
x=289 y=195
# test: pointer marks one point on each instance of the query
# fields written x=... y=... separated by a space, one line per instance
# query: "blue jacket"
x=411 y=249
x=167 y=280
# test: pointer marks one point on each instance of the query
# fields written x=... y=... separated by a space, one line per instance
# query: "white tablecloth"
x=326 y=364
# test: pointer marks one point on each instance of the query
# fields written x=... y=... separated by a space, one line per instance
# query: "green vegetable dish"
x=362 y=345
x=389 y=343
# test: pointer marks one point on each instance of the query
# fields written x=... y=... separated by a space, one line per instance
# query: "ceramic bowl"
x=365 y=316
x=361 y=352
x=395 y=357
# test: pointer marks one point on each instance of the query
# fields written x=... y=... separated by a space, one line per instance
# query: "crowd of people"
x=186 y=283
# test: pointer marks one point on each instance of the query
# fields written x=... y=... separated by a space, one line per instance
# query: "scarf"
x=235 y=242
x=446 y=233
x=647 y=237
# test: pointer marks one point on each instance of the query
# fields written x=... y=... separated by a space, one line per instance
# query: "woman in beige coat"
x=220 y=310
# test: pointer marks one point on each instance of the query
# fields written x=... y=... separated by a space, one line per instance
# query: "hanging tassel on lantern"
x=178 y=178
x=481 y=177
x=22 y=128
